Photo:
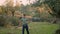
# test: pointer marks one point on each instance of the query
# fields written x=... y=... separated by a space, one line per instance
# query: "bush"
x=14 y=21
x=7 y=21
x=2 y=20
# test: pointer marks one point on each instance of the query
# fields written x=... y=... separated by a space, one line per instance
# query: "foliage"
x=55 y=6
x=37 y=3
x=14 y=20
x=3 y=20
x=37 y=14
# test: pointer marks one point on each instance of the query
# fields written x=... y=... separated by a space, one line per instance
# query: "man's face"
x=24 y=15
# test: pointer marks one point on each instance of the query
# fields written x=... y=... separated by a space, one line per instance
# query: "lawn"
x=35 y=28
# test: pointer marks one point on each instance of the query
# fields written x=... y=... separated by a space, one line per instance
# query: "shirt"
x=24 y=21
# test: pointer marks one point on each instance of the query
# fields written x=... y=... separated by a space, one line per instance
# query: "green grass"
x=35 y=28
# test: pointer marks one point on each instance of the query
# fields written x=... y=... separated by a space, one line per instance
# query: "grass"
x=35 y=28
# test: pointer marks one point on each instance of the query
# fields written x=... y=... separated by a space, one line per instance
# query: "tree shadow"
x=57 y=31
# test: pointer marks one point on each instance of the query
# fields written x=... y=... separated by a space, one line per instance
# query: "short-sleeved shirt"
x=24 y=21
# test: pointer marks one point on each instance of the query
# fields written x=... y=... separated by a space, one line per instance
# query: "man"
x=24 y=21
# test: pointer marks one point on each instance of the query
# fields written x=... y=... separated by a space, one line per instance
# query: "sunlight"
x=24 y=2
x=1 y=2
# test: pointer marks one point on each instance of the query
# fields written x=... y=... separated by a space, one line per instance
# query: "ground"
x=34 y=28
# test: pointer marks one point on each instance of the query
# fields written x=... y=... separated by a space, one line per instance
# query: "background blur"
x=44 y=14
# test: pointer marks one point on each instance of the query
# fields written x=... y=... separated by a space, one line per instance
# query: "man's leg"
x=23 y=28
x=27 y=29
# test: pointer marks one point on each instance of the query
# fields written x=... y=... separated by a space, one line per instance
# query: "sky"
x=2 y=2
x=24 y=2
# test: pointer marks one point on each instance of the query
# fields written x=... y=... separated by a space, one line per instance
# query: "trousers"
x=25 y=27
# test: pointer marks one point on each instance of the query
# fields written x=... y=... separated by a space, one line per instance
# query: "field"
x=35 y=28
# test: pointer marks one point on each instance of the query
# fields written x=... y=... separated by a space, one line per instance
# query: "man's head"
x=24 y=15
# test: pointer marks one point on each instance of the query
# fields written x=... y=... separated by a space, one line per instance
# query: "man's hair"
x=20 y=17
x=24 y=14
